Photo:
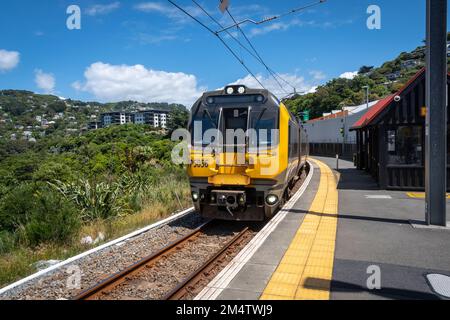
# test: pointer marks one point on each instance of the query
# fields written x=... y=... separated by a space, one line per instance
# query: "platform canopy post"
x=436 y=119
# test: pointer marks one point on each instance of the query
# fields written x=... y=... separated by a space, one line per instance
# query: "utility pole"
x=367 y=96
x=436 y=119
x=344 y=131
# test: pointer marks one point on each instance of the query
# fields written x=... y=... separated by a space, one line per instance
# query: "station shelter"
x=390 y=138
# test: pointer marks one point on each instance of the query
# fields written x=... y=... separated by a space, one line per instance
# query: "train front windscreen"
x=241 y=114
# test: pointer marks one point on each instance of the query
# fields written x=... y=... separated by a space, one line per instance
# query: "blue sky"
x=149 y=51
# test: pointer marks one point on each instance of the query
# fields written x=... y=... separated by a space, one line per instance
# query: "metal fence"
x=345 y=151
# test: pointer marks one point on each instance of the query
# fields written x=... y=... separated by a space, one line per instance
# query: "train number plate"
x=200 y=164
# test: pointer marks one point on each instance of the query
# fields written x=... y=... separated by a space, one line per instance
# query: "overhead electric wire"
x=274 y=17
x=220 y=38
x=296 y=10
x=266 y=20
x=257 y=56
x=229 y=33
x=274 y=74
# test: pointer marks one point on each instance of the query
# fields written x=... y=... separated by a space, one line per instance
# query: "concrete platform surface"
x=375 y=231
x=343 y=238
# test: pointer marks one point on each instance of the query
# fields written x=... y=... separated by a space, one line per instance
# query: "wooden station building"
x=390 y=138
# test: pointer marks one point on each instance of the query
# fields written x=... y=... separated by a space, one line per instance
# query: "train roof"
x=239 y=94
x=243 y=91
x=237 y=90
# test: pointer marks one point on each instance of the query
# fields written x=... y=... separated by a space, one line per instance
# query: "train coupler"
x=229 y=199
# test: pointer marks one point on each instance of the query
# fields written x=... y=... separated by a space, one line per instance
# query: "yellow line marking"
x=420 y=195
x=306 y=270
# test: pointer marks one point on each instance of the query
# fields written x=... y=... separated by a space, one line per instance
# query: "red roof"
x=373 y=112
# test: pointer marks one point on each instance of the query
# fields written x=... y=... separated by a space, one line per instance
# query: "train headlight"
x=241 y=90
x=230 y=90
x=195 y=196
x=271 y=199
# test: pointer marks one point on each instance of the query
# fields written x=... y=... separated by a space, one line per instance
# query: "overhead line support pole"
x=436 y=118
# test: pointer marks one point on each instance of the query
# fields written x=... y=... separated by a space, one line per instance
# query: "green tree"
x=178 y=119
x=365 y=69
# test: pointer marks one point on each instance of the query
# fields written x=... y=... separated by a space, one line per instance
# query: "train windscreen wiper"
x=210 y=118
x=256 y=127
x=260 y=117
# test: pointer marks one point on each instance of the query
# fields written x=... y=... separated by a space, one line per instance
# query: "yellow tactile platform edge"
x=306 y=270
x=420 y=195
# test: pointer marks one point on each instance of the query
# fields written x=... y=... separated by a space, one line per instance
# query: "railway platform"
x=340 y=237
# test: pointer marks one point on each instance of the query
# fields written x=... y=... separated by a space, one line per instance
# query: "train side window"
x=290 y=141
x=293 y=140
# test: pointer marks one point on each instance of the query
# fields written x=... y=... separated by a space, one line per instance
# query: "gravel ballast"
x=97 y=266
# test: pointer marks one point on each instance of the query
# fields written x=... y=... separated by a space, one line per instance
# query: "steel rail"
x=113 y=281
x=182 y=289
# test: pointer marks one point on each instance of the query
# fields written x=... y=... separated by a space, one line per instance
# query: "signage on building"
x=306 y=116
x=423 y=111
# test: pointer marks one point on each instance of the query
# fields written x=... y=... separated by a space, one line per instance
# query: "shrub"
x=7 y=241
x=53 y=219
x=37 y=214
x=52 y=170
x=17 y=207
x=94 y=200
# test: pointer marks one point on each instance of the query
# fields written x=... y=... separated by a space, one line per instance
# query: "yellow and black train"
x=247 y=152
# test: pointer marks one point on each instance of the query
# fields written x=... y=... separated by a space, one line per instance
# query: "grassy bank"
x=61 y=189
x=170 y=194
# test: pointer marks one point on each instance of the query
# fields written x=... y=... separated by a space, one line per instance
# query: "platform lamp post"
x=436 y=118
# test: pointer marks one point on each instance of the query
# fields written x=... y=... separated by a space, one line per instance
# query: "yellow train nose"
x=229 y=180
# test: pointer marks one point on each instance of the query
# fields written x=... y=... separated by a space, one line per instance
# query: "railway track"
x=179 y=270
x=176 y=270
x=186 y=287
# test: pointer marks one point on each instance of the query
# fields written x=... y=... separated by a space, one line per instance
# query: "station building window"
x=405 y=145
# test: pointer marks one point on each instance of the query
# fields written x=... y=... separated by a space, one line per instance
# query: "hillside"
x=383 y=80
x=25 y=115
x=60 y=182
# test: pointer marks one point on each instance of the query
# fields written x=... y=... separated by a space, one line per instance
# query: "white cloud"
x=145 y=38
x=154 y=7
x=8 y=60
x=349 y=75
x=317 y=75
x=296 y=22
x=123 y=82
x=281 y=26
x=313 y=89
x=99 y=9
x=45 y=81
x=277 y=26
x=300 y=84
x=169 y=10
x=249 y=10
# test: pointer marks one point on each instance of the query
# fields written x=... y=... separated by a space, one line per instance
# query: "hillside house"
x=408 y=64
